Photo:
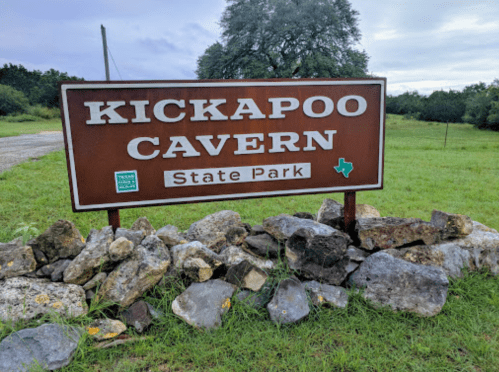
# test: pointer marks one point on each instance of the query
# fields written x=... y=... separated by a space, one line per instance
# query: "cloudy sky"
x=422 y=45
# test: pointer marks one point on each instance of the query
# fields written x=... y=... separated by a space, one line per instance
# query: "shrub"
x=44 y=112
x=20 y=118
x=12 y=101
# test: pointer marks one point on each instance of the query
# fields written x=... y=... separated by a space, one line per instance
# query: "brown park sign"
x=132 y=144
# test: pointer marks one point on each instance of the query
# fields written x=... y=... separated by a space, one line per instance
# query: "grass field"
x=8 y=129
x=420 y=175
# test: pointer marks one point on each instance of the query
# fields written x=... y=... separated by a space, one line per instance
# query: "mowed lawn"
x=420 y=175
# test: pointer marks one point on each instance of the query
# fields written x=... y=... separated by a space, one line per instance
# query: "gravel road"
x=15 y=150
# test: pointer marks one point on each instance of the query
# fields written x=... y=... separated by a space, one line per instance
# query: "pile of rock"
x=401 y=262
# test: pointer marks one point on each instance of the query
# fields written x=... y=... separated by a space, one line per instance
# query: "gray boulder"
x=356 y=254
x=139 y=273
x=94 y=258
x=61 y=240
x=319 y=257
x=393 y=232
x=233 y=255
x=283 y=226
x=257 y=230
x=483 y=245
x=138 y=315
x=290 y=303
x=326 y=294
x=58 y=273
x=449 y=256
x=236 y=235
x=16 y=260
x=203 y=304
x=331 y=213
x=50 y=346
x=135 y=236
x=170 y=236
x=195 y=260
x=211 y=230
x=402 y=285
x=263 y=245
x=25 y=298
x=246 y=275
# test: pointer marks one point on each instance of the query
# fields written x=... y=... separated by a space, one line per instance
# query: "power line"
x=111 y=54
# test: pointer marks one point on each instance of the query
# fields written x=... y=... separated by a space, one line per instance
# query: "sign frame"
x=67 y=86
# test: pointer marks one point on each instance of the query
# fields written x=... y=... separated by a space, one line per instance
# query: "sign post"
x=135 y=144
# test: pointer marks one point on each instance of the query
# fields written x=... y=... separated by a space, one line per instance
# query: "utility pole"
x=113 y=215
x=104 y=44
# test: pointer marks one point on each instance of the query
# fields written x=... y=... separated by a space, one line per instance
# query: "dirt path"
x=15 y=150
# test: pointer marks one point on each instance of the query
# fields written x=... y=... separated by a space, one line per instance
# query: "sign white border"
x=78 y=206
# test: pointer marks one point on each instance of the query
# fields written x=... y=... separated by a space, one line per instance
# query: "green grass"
x=420 y=175
x=9 y=129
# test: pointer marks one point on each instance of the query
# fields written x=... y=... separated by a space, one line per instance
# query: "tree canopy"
x=39 y=87
x=284 y=39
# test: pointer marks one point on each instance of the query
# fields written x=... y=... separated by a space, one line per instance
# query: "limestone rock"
x=105 y=329
x=351 y=267
x=195 y=260
x=211 y=230
x=257 y=230
x=263 y=245
x=203 y=304
x=356 y=254
x=366 y=211
x=50 y=346
x=393 y=232
x=61 y=240
x=138 y=316
x=305 y=215
x=92 y=259
x=120 y=249
x=89 y=295
x=25 y=298
x=319 y=257
x=331 y=214
x=97 y=280
x=40 y=257
x=452 y=225
x=170 y=236
x=290 y=303
x=16 y=260
x=233 y=255
x=17 y=241
x=137 y=274
x=58 y=273
x=326 y=294
x=236 y=235
x=246 y=275
x=482 y=227
x=135 y=236
x=450 y=257
x=402 y=285
x=143 y=224
x=483 y=245
x=283 y=226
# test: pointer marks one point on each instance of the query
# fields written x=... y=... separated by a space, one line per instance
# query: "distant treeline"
x=21 y=88
x=477 y=104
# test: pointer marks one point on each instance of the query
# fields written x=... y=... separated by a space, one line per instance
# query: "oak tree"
x=284 y=39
